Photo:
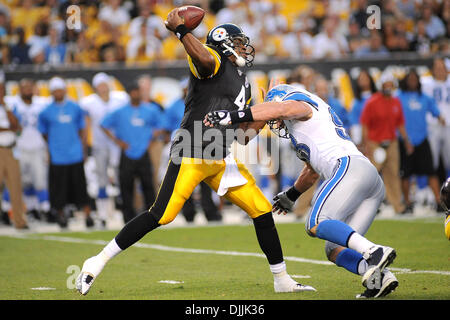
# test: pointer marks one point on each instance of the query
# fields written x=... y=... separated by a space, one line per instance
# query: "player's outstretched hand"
x=282 y=204
x=217 y=118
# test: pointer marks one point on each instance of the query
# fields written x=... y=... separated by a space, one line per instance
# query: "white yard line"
x=205 y=251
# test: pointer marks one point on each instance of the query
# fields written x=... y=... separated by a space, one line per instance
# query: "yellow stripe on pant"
x=181 y=180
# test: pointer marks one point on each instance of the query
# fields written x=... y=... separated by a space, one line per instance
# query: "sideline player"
x=347 y=201
x=215 y=82
x=106 y=154
x=31 y=146
x=438 y=87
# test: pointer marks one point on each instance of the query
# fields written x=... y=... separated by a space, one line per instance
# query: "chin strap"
x=239 y=60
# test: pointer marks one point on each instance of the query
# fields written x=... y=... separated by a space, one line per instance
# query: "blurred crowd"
x=132 y=31
x=121 y=138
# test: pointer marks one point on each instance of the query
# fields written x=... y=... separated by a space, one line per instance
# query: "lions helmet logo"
x=219 y=34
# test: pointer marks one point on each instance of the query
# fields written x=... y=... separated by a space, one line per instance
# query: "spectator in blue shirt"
x=132 y=128
x=415 y=106
x=55 y=51
x=173 y=116
x=62 y=125
x=363 y=90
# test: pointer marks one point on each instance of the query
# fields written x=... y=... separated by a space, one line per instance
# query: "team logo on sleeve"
x=219 y=34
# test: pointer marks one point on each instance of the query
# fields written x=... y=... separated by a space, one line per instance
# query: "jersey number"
x=240 y=99
x=340 y=130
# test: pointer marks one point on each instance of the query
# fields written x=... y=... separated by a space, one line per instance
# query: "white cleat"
x=378 y=258
x=284 y=283
x=388 y=284
x=90 y=271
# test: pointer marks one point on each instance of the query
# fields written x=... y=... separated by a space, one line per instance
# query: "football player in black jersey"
x=216 y=83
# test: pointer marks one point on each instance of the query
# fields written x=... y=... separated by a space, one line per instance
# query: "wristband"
x=293 y=194
x=181 y=30
x=239 y=116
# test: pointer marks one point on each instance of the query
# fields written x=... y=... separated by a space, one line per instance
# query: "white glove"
x=220 y=117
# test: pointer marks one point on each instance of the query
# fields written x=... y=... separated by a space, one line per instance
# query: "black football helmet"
x=445 y=196
x=228 y=37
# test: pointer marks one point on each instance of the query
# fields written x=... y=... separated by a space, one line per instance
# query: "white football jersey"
x=28 y=114
x=96 y=108
x=322 y=139
x=440 y=91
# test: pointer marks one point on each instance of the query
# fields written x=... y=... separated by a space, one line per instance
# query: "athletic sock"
x=352 y=261
x=358 y=243
x=268 y=240
x=362 y=267
x=110 y=251
x=278 y=268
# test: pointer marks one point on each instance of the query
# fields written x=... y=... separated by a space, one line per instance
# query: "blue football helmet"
x=277 y=94
x=227 y=37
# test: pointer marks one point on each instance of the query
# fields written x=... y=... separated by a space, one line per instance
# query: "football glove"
x=219 y=117
x=282 y=203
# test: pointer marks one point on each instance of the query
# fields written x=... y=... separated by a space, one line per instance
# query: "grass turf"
x=32 y=262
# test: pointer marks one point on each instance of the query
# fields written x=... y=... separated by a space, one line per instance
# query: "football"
x=191 y=15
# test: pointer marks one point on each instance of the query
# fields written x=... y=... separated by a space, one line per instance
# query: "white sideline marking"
x=43 y=288
x=170 y=281
x=206 y=251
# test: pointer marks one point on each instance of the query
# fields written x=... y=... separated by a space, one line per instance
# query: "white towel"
x=231 y=177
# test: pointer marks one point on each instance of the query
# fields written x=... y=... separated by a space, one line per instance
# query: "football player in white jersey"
x=438 y=87
x=346 y=203
x=104 y=151
x=31 y=146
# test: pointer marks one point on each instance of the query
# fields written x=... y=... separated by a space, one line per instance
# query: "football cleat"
x=284 y=283
x=378 y=258
x=388 y=284
x=90 y=271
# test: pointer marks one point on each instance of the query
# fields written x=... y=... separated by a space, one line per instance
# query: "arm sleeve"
x=193 y=68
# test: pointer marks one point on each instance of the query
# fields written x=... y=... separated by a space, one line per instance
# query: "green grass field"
x=212 y=273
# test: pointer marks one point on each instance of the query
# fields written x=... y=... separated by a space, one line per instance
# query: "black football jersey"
x=227 y=89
